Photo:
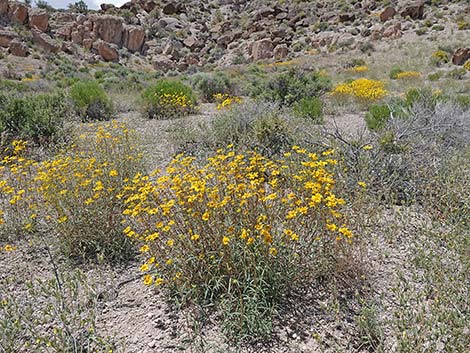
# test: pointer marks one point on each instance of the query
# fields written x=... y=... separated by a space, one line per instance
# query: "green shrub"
x=91 y=101
x=423 y=96
x=295 y=84
x=39 y=118
x=377 y=116
x=168 y=99
x=435 y=76
x=210 y=84
x=309 y=108
x=394 y=72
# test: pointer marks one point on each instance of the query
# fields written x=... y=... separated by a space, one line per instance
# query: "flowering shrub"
x=224 y=100
x=408 y=75
x=91 y=101
x=439 y=57
x=363 y=89
x=168 y=99
x=76 y=193
x=40 y=118
x=238 y=222
x=210 y=84
x=295 y=84
x=467 y=65
x=359 y=69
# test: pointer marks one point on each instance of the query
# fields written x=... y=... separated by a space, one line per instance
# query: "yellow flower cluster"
x=359 y=69
x=467 y=65
x=408 y=75
x=76 y=192
x=224 y=100
x=362 y=88
x=177 y=100
x=224 y=217
x=441 y=55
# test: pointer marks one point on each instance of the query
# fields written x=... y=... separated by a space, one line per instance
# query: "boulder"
x=461 y=56
x=346 y=17
x=87 y=43
x=64 y=32
x=388 y=13
x=45 y=42
x=134 y=37
x=162 y=62
x=191 y=42
x=280 y=51
x=18 y=48
x=262 y=49
x=393 y=31
x=38 y=19
x=415 y=11
x=18 y=12
x=107 y=7
x=109 y=28
x=107 y=51
x=6 y=37
x=173 y=8
x=3 y=7
x=148 y=5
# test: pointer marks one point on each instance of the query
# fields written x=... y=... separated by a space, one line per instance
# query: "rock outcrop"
x=38 y=19
x=461 y=56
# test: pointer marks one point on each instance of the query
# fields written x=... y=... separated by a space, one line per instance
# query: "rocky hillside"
x=175 y=35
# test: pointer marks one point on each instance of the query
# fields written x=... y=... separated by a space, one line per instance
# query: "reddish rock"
x=262 y=49
x=347 y=17
x=108 y=51
x=148 y=5
x=64 y=32
x=18 y=12
x=280 y=51
x=162 y=62
x=107 y=7
x=6 y=37
x=461 y=56
x=45 y=42
x=393 y=31
x=109 y=28
x=415 y=11
x=387 y=14
x=76 y=37
x=87 y=43
x=18 y=49
x=134 y=38
x=173 y=8
x=38 y=19
x=3 y=7
x=191 y=42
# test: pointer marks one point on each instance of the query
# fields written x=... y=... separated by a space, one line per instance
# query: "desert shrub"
x=466 y=66
x=425 y=97
x=258 y=126
x=377 y=116
x=463 y=101
x=309 y=108
x=38 y=118
x=363 y=89
x=439 y=57
x=224 y=100
x=295 y=84
x=76 y=193
x=168 y=99
x=401 y=159
x=457 y=74
x=394 y=72
x=407 y=75
x=238 y=226
x=55 y=315
x=91 y=101
x=435 y=76
x=211 y=84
